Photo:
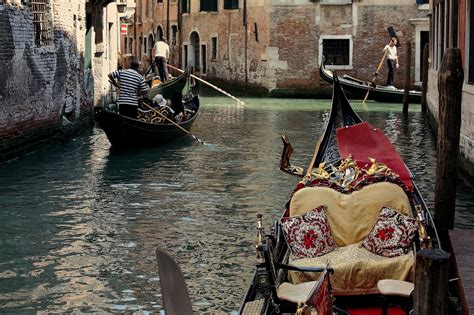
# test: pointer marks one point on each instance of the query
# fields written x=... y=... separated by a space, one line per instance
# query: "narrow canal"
x=79 y=223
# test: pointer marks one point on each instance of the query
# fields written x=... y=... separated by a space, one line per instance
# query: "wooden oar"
x=313 y=159
x=172 y=122
x=213 y=86
x=375 y=76
x=176 y=299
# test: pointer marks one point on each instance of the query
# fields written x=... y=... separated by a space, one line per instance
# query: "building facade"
x=277 y=45
x=54 y=58
x=452 y=25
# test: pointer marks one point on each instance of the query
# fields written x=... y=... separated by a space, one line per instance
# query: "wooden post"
x=406 y=94
x=424 y=76
x=431 y=282
x=450 y=82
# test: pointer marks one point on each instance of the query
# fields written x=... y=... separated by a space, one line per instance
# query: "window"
x=139 y=44
x=337 y=51
x=130 y=46
x=174 y=34
x=213 y=48
x=42 y=22
x=209 y=5
x=204 y=57
x=185 y=55
x=231 y=4
x=184 y=6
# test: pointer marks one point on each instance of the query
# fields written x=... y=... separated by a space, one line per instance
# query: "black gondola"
x=128 y=132
x=358 y=89
x=274 y=263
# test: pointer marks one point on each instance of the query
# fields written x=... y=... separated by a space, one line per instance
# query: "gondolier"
x=131 y=84
x=392 y=59
x=161 y=51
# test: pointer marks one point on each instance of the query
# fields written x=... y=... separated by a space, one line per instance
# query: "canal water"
x=79 y=223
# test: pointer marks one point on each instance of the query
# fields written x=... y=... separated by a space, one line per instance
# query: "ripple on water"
x=80 y=223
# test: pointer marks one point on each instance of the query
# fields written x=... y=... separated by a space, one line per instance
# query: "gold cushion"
x=351 y=216
x=356 y=270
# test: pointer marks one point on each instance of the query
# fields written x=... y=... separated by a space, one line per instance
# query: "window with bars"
x=231 y=4
x=209 y=5
x=336 y=52
x=41 y=11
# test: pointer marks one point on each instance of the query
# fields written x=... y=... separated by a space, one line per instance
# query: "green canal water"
x=79 y=223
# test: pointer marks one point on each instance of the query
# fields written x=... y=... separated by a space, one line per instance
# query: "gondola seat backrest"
x=351 y=216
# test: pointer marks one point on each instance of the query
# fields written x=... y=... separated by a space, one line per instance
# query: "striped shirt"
x=130 y=84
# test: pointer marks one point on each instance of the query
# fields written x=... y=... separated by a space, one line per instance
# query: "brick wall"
x=40 y=87
x=286 y=57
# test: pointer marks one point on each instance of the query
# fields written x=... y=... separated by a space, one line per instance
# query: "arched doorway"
x=159 y=33
x=194 y=55
x=150 y=45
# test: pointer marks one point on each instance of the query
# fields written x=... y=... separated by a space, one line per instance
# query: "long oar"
x=213 y=86
x=313 y=159
x=375 y=76
x=176 y=299
x=169 y=120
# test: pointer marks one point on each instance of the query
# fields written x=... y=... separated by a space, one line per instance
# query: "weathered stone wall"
x=466 y=137
x=40 y=87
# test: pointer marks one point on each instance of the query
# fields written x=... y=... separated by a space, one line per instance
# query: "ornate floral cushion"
x=392 y=234
x=308 y=235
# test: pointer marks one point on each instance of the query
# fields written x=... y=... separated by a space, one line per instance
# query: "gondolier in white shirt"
x=161 y=51
x=392 y=59
x=130 y=84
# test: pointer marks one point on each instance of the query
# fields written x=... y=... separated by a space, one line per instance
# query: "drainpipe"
x=246 y=42
x=168 y=20
x=180 y=38
x=135 y=31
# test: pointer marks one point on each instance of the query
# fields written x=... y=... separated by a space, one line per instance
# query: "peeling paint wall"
x=40 y=87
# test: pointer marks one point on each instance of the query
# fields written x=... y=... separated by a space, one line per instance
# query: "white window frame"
x=336 y=67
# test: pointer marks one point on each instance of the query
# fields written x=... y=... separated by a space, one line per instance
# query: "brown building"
x=453 y=26
x=277 y=46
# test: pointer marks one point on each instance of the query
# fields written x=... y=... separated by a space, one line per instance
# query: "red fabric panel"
x=363 y=141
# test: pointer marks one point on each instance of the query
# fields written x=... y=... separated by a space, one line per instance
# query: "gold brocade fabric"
x=351 y=216
x=356 y=270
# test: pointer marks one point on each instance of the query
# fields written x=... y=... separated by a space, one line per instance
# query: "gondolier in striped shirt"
x=130 y=84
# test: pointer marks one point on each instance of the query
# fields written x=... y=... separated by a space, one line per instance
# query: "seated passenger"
x=178 y=107
x=163 y=106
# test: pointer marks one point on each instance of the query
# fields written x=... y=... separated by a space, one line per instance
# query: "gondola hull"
x=358 y=89
x=128 y=132
x=259 y=299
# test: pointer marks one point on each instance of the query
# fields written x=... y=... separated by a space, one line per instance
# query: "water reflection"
x=80 y=223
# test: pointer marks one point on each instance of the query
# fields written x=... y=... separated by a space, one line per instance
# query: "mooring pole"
x=431 y=282
x=450 y=82
x=406 y=94
x=424 y=77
